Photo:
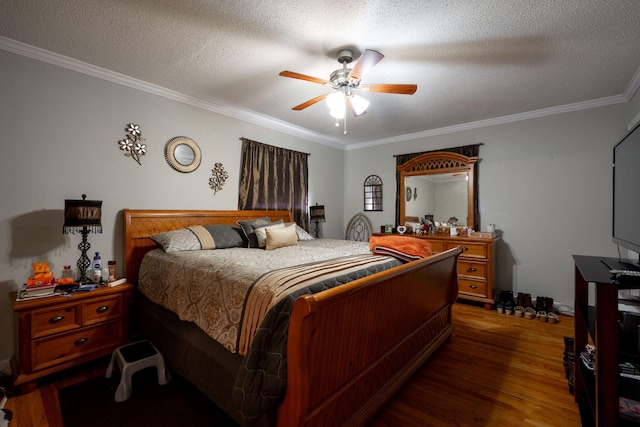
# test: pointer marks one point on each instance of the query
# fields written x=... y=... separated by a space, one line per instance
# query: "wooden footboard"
x=351 y=348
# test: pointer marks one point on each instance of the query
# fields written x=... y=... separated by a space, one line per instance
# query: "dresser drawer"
x=470 y=249
x=54 y=320
x=472 y=287
x=50 y=351
x=474 y=269
x=100 y=310
x=437 y=246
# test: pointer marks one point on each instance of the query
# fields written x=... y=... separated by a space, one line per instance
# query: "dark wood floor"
x=496 y=370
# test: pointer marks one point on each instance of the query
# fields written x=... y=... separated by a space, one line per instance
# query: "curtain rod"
x=242 y=139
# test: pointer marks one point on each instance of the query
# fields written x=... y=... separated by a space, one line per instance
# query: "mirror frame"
x=438 y=162
x=169 y=154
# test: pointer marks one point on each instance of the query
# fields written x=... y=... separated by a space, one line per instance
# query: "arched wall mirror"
x=444 y=186
x=183 y=154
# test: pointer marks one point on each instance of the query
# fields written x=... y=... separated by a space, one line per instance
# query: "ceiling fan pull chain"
x=345 y=124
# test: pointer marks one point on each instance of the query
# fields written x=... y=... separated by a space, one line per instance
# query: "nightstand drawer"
x=54 y=320
x=57 y=349
x=474 y=269
x=96 y=311
x=472 y=287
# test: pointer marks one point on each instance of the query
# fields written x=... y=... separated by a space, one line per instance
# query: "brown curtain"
x=466 y=150
x=274 y=178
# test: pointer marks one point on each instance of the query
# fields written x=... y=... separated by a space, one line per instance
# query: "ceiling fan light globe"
x=337 y=113
x=359 y=104
x=335 y=100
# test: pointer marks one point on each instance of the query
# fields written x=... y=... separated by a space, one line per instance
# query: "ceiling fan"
x=346 y=82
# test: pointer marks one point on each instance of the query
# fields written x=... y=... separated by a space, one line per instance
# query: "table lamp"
x=317 y=215
x=82 y=216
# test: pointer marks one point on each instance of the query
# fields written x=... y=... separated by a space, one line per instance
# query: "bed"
x=349 y=348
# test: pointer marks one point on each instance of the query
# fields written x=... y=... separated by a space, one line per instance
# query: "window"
x=373 y=193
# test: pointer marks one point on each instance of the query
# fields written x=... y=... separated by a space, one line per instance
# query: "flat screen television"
x=626 y=191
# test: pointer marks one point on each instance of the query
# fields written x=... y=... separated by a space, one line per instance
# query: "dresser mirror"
x=444 y=182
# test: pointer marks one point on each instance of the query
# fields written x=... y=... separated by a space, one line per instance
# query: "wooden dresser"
x=476 y=265
x=59 y=332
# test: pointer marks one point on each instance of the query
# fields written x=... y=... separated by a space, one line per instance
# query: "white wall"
x=60 y=132
x=545 y=183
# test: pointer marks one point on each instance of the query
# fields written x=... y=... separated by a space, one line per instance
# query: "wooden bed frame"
x=350 y=348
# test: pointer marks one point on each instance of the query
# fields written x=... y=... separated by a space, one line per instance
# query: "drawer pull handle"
x=471 y=269
x=81 y=341
x=473 y=286
x=56 y=319
x=102 y=309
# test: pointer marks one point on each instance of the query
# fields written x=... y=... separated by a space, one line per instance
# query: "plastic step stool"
x=131 y=358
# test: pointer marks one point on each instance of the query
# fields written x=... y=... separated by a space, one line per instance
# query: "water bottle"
x=97 y=268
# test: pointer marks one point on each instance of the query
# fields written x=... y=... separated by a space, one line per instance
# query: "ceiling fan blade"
x=353 y=109
x=299 y=76
x=366 y=62
x=310 y=102
x=402 y=89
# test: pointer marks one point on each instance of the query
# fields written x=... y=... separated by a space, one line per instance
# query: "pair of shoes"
x=544 y=304
x=504 y=304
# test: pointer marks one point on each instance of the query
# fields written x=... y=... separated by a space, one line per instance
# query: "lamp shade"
x=317 y=213
x=82 y=213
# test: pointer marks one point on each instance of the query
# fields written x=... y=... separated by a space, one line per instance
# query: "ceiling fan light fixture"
x=359 y=104
x=336 y=103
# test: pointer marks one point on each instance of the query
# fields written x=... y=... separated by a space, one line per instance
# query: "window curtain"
x=466 y=150
x=274 y=178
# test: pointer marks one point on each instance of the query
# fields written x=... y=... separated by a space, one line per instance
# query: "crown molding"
x=281 y=126
x=49 y=57
x=495 y=121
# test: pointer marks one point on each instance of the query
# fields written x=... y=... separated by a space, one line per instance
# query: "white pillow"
x=301 y=232
x=281 y=237
x=261 y=233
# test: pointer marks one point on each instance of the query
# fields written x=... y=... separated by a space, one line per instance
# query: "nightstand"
x=60 y=332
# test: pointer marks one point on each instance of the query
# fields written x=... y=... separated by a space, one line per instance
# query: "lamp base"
x=84 y=262
x=317 y=229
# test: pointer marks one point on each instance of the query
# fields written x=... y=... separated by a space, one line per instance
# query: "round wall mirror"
x=183 y=154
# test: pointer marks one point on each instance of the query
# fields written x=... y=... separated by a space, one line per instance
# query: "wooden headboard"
x=140 y=224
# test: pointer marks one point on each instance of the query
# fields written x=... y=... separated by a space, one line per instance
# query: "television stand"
x=598 y=392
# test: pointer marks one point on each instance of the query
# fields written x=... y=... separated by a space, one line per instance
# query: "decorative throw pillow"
x=261 y=233
x=247 y=228
x=301 y=232
x=177 y=240
x=199 y=237
x=281 y=237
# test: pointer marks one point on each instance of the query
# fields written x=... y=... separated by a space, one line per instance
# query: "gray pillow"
x=247 y=228
x=198 y=237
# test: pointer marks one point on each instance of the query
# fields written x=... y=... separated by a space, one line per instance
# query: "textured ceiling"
x=471 y=60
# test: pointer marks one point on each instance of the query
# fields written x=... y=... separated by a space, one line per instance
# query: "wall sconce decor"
x=219 y=177
x=131 y=144
x=317 y=215
x=82 y=216
x=415 y=193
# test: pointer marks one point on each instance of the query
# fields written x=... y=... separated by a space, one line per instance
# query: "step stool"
x=131 y=358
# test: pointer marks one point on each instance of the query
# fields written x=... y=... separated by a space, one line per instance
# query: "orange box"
x=44 y=279
x=41 y=267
